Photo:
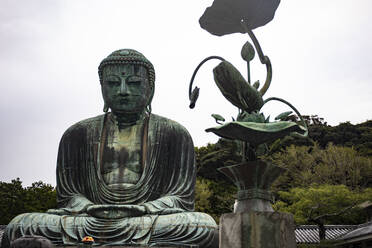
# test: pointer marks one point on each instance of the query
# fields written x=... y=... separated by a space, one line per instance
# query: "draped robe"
x=165 y=189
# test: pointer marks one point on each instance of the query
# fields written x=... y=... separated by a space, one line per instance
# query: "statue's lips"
x=126 y=99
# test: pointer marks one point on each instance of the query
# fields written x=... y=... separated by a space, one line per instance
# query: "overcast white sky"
x=50 y=50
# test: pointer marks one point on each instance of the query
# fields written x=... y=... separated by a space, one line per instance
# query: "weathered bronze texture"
x=253 y=180
x=251 y=129
x=124 y=178
x=255 y=133
x=254 y=222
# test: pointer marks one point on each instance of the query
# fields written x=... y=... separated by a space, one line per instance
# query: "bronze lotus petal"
x=225 y=16
x=235 y=88
x=252 y=174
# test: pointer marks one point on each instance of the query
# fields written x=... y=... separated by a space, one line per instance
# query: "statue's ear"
x=105 y=108
x=151 y=94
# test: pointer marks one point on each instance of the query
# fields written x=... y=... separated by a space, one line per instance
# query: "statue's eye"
x=112 y=82
x=134 y=80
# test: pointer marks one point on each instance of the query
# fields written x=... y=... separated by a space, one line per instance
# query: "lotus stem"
x=295 y=110
x=264 y=59
x=197 y=69
x=249 y=72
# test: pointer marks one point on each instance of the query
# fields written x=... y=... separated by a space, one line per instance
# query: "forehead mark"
x=125 y=70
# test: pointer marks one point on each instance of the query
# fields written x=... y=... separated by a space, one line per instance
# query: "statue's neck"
x=128 y=119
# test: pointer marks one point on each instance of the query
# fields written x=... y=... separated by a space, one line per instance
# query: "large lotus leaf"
x=256 y=133
x=224 y=16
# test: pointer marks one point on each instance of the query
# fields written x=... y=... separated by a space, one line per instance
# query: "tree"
x=320 y=219
x=40 y=197
x=333 y=165
x=324 y=204
x=214 y=198
x=213 y=156
x=15 y=199
x=345 y=134
x=12 y=202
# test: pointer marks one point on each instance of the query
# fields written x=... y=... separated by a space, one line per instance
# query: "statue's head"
x=127 y=80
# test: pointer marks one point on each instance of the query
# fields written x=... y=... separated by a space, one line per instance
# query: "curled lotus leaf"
x=218 y=118
x=225 y=16
x=283 y=115
x=256 y=133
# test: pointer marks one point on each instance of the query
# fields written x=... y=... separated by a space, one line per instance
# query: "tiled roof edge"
x=326 y=226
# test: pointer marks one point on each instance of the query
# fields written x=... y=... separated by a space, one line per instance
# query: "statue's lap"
x=128 y=145
x=138 y=230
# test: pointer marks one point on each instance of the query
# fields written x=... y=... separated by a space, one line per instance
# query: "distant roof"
x=2 y=228
x=363 y=231
x=309 y=234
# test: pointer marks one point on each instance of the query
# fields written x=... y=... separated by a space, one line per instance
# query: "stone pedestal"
x=29 y=241
x=127 y=246
x=257 y=230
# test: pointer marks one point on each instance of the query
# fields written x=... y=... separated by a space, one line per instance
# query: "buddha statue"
x=126 y=177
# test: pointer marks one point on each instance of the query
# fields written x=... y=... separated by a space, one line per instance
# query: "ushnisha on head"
x=127 y=79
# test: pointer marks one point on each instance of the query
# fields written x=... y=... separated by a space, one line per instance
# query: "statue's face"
x=125 y=88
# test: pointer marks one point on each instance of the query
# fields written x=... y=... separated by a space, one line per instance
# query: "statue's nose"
x=124 y=88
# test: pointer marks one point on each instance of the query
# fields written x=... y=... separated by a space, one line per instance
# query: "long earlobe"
x=105 y=108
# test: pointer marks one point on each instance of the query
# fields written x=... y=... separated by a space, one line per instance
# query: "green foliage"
x=40 y=197
x=313 y=165
x=316 y=201
x=213 y=156
x=214 y=198
x=11 y=203
x=345 y=134
x=215 y=194
x=14 y=199
x=202 y=195
x=331 y=156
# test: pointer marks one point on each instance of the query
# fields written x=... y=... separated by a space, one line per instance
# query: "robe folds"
x=165 y=189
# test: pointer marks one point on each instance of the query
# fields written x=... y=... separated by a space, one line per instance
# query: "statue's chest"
x=121 y=158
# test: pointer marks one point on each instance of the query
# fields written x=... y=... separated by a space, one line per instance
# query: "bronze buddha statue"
x=126 y=177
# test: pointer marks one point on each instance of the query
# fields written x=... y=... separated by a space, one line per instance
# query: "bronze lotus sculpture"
x=250 y=129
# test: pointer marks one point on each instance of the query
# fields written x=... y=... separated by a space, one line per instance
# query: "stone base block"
x=118 y=246
x=31 y=242
x=257 y=230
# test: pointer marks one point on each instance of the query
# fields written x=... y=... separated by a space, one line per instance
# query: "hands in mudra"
x=116 y=211
x=104 y=211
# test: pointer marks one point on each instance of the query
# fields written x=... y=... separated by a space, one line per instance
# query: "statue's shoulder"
x=85 y=125
x=167 y=123
x=93 y=121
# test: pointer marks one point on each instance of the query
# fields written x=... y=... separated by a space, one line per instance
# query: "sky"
x=50 y=50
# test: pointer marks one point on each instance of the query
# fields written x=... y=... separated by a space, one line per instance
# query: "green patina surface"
x=250 y=129
x=255 y=133
x=126 y=177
